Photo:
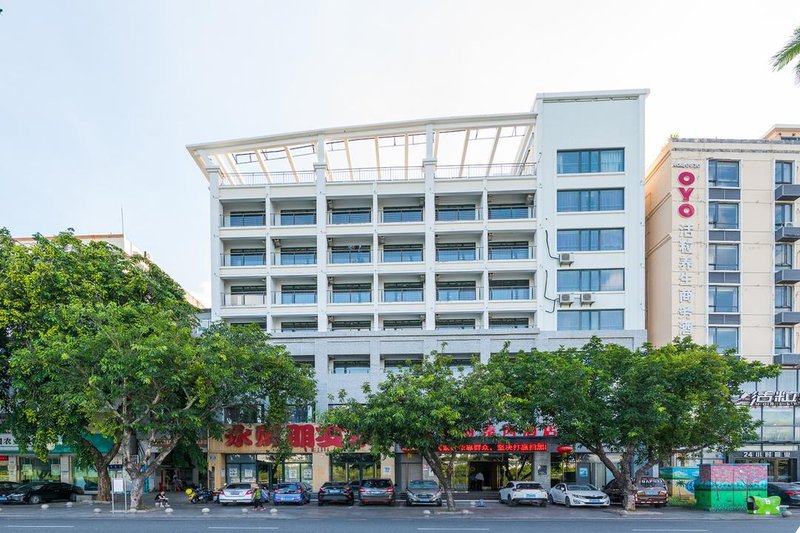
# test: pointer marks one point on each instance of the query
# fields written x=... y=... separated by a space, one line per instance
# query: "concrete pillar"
x=388 y=468
x=321 y=469
x=214 y=177
x=541 y=459
x=66 y=470
x=429 y=251
x=321 y=170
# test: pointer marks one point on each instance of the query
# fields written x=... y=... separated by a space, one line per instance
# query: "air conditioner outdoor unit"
x=587 y=298
x=565 y=258
x=566 y=298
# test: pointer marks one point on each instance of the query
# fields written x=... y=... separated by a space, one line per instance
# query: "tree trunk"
x=445 y=476
x=137 y=491
x=140 y=468
x=101 y=462
x=626 y=482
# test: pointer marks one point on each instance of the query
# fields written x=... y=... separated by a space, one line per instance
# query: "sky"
x=98 y=99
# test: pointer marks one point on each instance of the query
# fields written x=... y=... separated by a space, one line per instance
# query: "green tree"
x=37 y=283
x=139 y=372
x=788 y=53
x=428 y=408
x=646 y=404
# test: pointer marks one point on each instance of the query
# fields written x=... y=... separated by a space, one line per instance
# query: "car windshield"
x=581 y=487
x=330 y=485
x=377 y=484
x=651 y=482
x=287 y=487
x=30 y=486
x=528 y=486
x=423 y=485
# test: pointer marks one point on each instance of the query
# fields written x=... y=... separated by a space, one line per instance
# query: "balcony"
x=787 y=233
x=244 y=220
x=244 y=259
x=294 y=297
x=787 y=192
x=787 y=318
x=447 y=254
x=485 y=171
x=244 y=299
x=401 y=215
x=458 y=294
x=458 y=213
x=391 y=254
x=787 y=276
x=297 y=217
x=349 y=257
x=293 y=258
x=789 y=359
x=354 y=296
x=511 y=212
x=402 y=295
x=511 y=293
x=350 y=216
x=511 y=253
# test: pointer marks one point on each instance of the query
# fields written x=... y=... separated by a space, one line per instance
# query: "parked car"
x=422 y=491
x=789 y=492
x=236 y=493
x=6 y=488
x=44 y=491
x=332 y=491
x=291 y=493
x=578 y=494
x=515 y=492
x=376 y=491
x=649 y=491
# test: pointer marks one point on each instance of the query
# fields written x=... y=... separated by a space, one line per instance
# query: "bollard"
x=466 y=511
x=244 y=511
x=426 y=512
x=97 y=510
x=480 y=503
x=473 y=503
x=273 y=511
x=205 y=510
x=45 y=507
x=168 y=510
x=786 y=514
x=69 y=504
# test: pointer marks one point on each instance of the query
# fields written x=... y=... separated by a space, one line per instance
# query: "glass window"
x=403 y=292
x=514 y=211
x=351 y=254
x=723 y=299
x=783 y=256
x=299 y=326
x=360 y=215
x=588 y=240
x=783 y=342
x=783 y=298
x=351 y=293
x=246 y=218
x=723 y=256
x=299 y=294
x=723 y=215
x=591 y=280
x=355 y=325
x=787 y=380
x=724 y=338
x=402 y=324
x=783 y=215
x=402 y=253
x=506 y=251
x=591 y=161
x=512 y=289
x=351 y=367
x=456 y=252
x=298 y=256
x=455 y=323
x=723 y=173
x=783 y=171
x=591 y=319
x=456 y=291
x=247 y=257
x=452 y=213
x=297 y=217
x=508 y=323
x=402 y=214
x=590 y=200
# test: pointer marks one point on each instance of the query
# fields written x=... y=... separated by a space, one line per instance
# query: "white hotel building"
x=360 y=248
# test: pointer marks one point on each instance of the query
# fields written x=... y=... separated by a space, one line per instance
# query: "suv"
x=376 y=491
x=649 y=491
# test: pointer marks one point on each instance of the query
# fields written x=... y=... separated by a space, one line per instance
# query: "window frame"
x=588 y=159
x=591 y=237
x=585 y=202
x=713 y=169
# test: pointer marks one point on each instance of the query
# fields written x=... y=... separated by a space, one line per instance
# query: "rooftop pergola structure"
x=461 y=147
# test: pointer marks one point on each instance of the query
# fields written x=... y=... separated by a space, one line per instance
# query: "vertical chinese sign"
x=686 y=250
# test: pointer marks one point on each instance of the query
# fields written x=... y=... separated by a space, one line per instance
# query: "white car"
x=578 y=494
x=236 y=493
x=523 y=491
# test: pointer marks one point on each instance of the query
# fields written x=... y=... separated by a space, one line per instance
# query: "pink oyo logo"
x=686 y=209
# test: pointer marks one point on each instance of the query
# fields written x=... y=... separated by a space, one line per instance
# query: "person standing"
x=479 y=480
x=257 y=503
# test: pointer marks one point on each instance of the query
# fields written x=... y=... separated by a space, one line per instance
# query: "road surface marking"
x=670 y=530
x=452 y=529
x=31 y=527
x=237 y=528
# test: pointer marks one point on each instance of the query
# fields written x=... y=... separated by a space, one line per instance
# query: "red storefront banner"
x=306 y=436
x=499 y=447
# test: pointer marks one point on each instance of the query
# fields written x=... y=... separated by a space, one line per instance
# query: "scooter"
x=199 y=495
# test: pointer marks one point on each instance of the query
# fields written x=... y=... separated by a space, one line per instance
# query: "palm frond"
x=789 y=51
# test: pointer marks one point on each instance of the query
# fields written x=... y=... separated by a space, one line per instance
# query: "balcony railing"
x=484 y=171
x=350 y=297
x=244 y=260
x=500 y=253
x=298 y=258
x=245 y=220
x=458 y=294
x=375 y=174
x=446 y=255
x=401 y=295
x=293 y=219
x=308 y=297
x=507 y=212
x=245 y=179
x=349 y=257
x=402 y=256
x=471 y=214
x=401 y=216
x=244 y=299
x=511 y=293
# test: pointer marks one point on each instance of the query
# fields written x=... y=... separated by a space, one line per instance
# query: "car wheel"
x=439 y=503
x=550 y=498
x=509 y=500
x=35 y=499
x=73 y=497
x=567 y=502
x=408 y=503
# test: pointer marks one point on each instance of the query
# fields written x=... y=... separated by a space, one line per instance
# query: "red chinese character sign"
x=304 y=437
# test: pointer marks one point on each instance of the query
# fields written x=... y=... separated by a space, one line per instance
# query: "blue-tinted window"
x=351 y=293
x=402 y=214
x=723 y=173
x=590 y=200
x=298 y=294
x=297 y=217
x=510 y=289
x=456 y=291
x=723 y=215
x=784 y=214
x=246 y=218
x=591 y=161
x=591 y=320
x=453 y=213
x=351 y=367
x=591 y=280
x=402 y=292
x=298 y=256
x=350 y=254
x=246 y=257
x=587 y=240
x=505 y=212
x=402 y=253
x=723 y=299
x=504 y=251
x=724 y=338
x=456 y=252
x=723 y=257
x=351 y=216
x=783 y=171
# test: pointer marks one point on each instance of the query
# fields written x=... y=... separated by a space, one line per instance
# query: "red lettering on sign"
x=238 y=436
x=263 y=436
x=550 y=431
x=301 y=435
x=686 y=192
x=686 y=178
x=686 y=210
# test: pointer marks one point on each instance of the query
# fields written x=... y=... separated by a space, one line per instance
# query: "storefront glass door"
x=780 y=470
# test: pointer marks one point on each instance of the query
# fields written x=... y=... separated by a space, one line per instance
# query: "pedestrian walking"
x=257 y=503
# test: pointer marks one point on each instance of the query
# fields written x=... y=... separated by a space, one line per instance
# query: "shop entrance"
x=778 y=469
x=562 y=470
x=348 y=467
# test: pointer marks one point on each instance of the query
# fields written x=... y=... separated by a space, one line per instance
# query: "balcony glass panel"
x=303 y=294
x=402 y=214
x=459 y=253
x=399 y=293
x=508 y=323
x=510 y=212
x=456 y=294
x=244 y=257
x=347 y=255
x=402 y=254
x=456 y=213
x=351 y=367
x=355 y=295
x=243 y=219
x=297 y=256
x=351 y=216
x=509 y=251
x=510 y=292
x=302 y=217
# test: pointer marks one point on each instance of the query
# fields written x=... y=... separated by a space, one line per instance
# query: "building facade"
x=363 y=248
x=722 y=266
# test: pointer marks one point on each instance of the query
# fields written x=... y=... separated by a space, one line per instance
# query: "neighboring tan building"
x=722 y=266
x=360 y=248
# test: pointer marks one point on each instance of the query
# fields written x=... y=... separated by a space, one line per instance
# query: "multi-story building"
x=722 y=266
x=363 y=248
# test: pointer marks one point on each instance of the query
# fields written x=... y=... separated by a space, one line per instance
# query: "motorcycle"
x=200 y=495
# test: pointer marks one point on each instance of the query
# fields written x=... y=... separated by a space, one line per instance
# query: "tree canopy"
x=430 y=408
x=787 y=54
x=645 y=404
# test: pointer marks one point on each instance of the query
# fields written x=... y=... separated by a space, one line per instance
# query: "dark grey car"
x=376 y=491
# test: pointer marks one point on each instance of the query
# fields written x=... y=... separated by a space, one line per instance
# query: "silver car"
x=423 y=492
x=236 y=493
x=578 y=494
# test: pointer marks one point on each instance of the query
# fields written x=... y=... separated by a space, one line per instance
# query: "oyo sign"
x=686 y=179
